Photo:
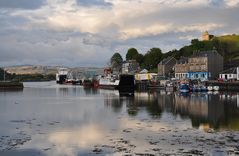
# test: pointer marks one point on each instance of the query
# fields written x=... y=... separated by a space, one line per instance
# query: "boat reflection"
x=213 y=110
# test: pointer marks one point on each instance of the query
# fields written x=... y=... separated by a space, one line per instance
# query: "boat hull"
x=108 y=86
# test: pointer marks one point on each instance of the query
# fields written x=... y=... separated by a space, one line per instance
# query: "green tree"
x=194 y=41
x=152 y=58
x=139 y=58
x=131 y=54
x=116 y=61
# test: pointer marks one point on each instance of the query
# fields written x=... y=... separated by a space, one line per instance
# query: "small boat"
x=216 y=88
x=184 y=88
x=170 y=87
x=204 y=89
x=88 y=83
x=196 y=88
x=210 y=88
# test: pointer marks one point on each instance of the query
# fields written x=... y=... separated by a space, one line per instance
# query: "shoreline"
x=11 y=85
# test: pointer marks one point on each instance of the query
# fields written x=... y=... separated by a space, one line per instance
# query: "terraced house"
x=181 y=68
x=202 y=65
x=165 y=67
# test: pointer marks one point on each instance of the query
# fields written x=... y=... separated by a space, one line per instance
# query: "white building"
x=230 y=74
x=130 y=67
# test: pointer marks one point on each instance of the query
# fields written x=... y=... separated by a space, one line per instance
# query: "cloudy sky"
x=88 y=32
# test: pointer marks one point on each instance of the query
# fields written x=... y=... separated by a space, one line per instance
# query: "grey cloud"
x=22 y=42
x=89 y=3
x=23 y=4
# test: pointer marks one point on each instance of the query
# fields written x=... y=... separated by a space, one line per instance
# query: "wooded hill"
x=227 y=46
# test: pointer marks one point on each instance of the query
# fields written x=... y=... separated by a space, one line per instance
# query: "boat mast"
x=3 y=74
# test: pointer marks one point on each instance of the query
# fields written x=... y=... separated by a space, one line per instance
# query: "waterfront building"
x=205 y=65
x=130 y=67
x=230 y=74
x=181 y=68
x=144 y=75
x=165 y=67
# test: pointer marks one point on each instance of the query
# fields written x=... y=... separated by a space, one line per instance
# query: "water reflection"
x=218 y=111
x=72 y=120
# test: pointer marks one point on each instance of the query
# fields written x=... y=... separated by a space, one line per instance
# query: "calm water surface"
x=49 y=119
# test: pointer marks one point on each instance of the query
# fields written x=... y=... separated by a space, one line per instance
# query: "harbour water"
x=47 y=119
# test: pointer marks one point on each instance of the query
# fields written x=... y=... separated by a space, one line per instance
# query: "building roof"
x=182 y=60
x=144 y=71
x=230 y=71
x=205 y=53
x=166 y=60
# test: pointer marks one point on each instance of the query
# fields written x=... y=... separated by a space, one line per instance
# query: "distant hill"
x=227 y=46
x=45 y=70
x=40 y=73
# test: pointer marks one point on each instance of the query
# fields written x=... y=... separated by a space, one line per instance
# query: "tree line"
x=148 y=61
x=227 y=46
x=25 y=77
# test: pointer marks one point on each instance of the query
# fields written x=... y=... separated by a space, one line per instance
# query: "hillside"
x=227 y=46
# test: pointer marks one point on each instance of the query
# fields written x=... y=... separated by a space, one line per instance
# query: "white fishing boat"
x=61 y=75
x=109 y=82
x=209 y=88
x=216 y=88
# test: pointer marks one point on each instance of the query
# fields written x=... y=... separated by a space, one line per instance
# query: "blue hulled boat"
x=184 y=88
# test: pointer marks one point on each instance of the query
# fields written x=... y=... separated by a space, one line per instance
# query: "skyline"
x=89 y=32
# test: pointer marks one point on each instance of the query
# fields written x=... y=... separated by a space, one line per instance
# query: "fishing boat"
x=204 y=89
x=210 y=88
x=170 y=87
x=216 y=88
x=61 y=75
x=88 y=83
x=108 y=80
x=184 y=88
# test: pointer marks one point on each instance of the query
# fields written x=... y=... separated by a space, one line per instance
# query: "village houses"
x=165 y=67
x=202 y=65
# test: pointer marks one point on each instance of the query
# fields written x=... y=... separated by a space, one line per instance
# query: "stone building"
x=205 y=65
x=130 y=67
x=206 y=36
x=165 y=67
x=181 y=68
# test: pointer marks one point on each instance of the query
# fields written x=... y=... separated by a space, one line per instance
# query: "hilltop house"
x=181 y=68
x=205 y=65
x=206 y=36
x=165 y=67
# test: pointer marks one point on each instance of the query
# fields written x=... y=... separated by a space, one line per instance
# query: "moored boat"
x=87 y=83
x=184 y=88
x=210 y=88
x=61 y=75
x=216 y=88
x=108 y=80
